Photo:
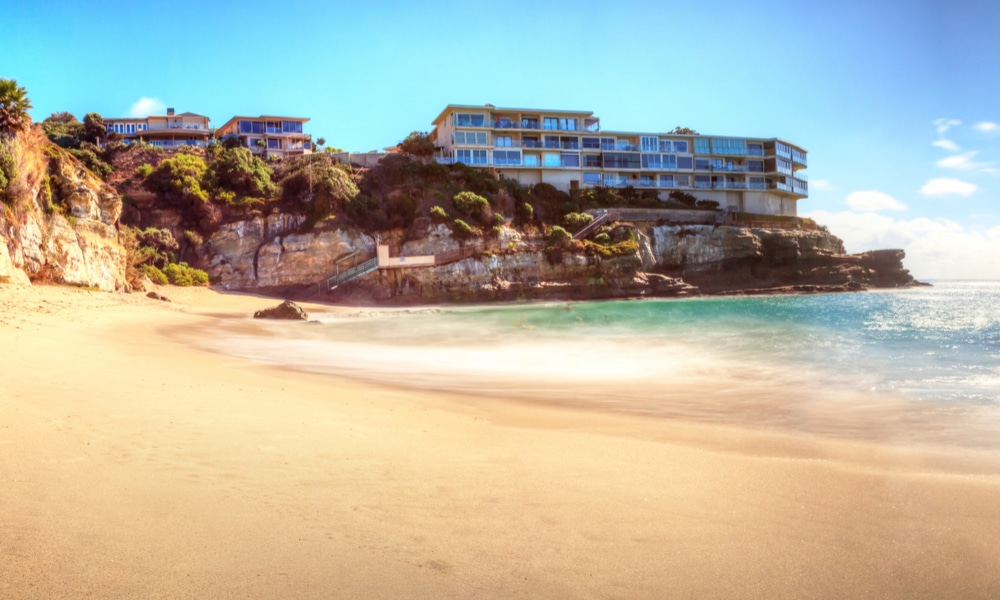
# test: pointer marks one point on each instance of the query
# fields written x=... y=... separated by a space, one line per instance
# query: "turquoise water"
x=920 y=365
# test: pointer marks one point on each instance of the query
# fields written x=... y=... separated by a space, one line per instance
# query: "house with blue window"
x=268 y=135
x=569 y=150
x=165 y=131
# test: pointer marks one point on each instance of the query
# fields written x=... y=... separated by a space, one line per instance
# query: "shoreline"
x=132 y=464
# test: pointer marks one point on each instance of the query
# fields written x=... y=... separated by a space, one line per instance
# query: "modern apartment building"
x=166 y=131
x=279 y=136
x=569 y=150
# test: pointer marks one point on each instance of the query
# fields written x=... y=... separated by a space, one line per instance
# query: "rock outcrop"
x=286 y=310
x=58 y=222
x=269 y=254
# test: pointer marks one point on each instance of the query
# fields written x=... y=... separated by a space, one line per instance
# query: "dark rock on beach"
x=285 y=310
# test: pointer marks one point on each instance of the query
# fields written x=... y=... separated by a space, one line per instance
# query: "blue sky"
x=896 y=101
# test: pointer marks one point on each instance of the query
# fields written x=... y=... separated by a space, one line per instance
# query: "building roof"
x=262 y=118
x=490 y=107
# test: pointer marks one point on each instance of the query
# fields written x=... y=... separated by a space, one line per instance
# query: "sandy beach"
x=135 y=465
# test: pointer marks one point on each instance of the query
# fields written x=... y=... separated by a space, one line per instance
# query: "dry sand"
x=133 y=466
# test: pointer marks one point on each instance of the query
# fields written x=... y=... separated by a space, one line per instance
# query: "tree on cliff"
x=93 y=127
x=64 y=130
x=14 y=106
x=417 y=144
x=683 y=131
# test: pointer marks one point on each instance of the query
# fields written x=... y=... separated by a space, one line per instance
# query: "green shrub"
x=577 y=221
x=237 y=170
x=498 y=219
x=438 y=214
x=470 y=204
x=461 y=229
x=558 y=235
x=181 y=274
x=525 y=213
x=181 y=176
x=144 y=170
x=602 y=238
x=683 y=197
x=155 y=275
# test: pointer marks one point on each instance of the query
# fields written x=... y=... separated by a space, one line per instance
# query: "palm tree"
x=14 y=105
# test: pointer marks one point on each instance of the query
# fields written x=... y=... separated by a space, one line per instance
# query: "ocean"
x=918 y=366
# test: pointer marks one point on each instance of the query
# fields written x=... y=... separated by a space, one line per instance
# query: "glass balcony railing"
x=729 y=168
x=755 y=152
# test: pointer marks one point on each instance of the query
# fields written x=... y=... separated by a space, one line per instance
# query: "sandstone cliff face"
x=267 y=253
x=671 y=261
x=59 y=221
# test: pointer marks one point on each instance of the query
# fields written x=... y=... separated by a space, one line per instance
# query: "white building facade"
x=569 y=150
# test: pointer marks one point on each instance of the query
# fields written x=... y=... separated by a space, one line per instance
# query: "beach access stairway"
x=600 y=218
x=352 y=267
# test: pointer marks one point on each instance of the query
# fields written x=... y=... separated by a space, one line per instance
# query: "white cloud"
x=962 y=161
x=987 y=127
x=820 y=185
x=935 y=248
x=147 y=106
x=869 y=200
x=947 y=145
x=942 y=125
x=944 y=186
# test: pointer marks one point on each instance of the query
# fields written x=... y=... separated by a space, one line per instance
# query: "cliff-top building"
x=280 y=136
x=569 y=150
x=166 y=131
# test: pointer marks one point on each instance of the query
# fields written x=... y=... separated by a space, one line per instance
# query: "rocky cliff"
x=58 y=222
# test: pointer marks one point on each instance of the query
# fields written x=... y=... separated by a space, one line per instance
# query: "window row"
x=261 y=127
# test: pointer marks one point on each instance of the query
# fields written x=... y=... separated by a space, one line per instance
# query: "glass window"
x=622 y=160
x=506 y=157
x=702 y=146
x=291 y=127
x=245 y=127
x=755 y=166
x=529 y=123
x=551 y=159
x=669 y=161
x=567 y=124
x=273 y=144
x=681 y=146
x=570 y=143
x=464 y=156
x=550 y=123
x=591 y=179
x=610 y=180
x=607 y=143
x=552 y=141
x=570 y=159
x=685 y=162
x=592 y=143
x=503 y=141
x=650 y=143
x=702 y=164
x=666 y=181
x=592 y=161
x=479 y=157
x=702 y=181
x=755 y=149
x=681 y=181
x=651 y=161
x=531 y=160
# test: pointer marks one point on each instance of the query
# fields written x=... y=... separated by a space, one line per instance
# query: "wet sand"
x=134 y=465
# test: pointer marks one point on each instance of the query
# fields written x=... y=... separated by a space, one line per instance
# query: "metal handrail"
x=341 y=278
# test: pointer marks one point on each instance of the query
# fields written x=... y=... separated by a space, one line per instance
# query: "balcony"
x=755 y=152
x=798 y=158
x=627 y=148
x=729 y=185
x=729 y=168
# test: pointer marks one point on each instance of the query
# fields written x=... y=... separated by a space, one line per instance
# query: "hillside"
x=279 y=227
